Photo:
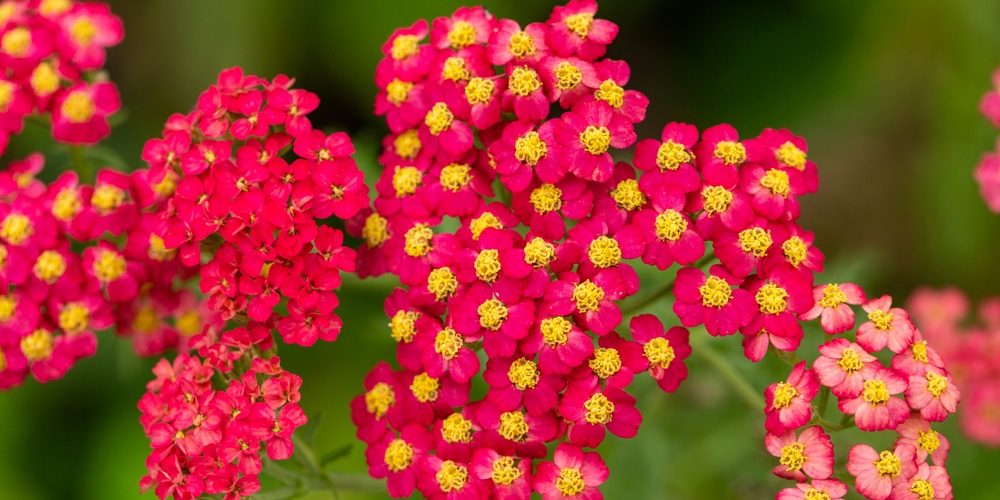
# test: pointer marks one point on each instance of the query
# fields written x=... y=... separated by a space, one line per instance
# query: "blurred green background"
x=885 y=92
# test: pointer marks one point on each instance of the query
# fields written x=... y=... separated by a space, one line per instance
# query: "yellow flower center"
x=379 y=399
x=522 y=44
x=397 y=91
x=146 y=320
x=109 y=266
x=479 y=224
x=568 y=76
x=670 y=156
x=439 y=118
x=407 y=144
x=44 y=79
x=487 y=265
x=492 y=314
x=7 y=308
x=610 y=93
x=448 y=343
x=454 y=70
x=731 y=153
x=37 y=346
x=157 y=249
x=83 y=31
x=659 y=352
x=513 y=426
x=570 y=482
x=189 y=323
x=783 y=395
x=606 y=363
x=398 y=455
x=936 y=384
x=403 y=326
x=717 y=199
x=16 y=42
x=833 y=296
x=772 y=299
x=404 y=46
x=73 y=318
x=50 y=266
x=375 y=230
x=524 y=374
x=78 y=107
x=881 y=319
x=814 y=494
x=670 y=225
x=791 y=156
x=928 y=441
x=793 y=456
x=546 y=198
x=51 y=8
x=875 y=392
x=580 y=23
x=456 y=429
x=417 y=240
x=452 y=476
x=555 y=331
x=455 y=176
x=850 y=360
x=462 y=34
x=888 y=464
x=628 y=196
x=587 y=296
x=777 y=181
x=3 y=361
x=920 y=351
x=479 y=90
x=530 y=148
x=16 y=228
x=595 y=140
x=604 y=252
x=795 y=250
x=504 y=471
x=523 y=81
x=755 y=240
x=406 y=180
x=716 y=292
x=425 y=388
x=6 y=94
x=599 y=409
x=107 y=198
x=442 y=283
x=923 y=489
x=539 y=252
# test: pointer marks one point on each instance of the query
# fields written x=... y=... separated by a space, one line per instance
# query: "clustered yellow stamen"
x=881 y=319
x=407 y=144
x=936 y=384
x=447 y=343
x=716 y=292
x=50 y=266
x=570 y=482
x=492 y=314
x=875 y=392
x=379 y=399
x=454 y=70
x=604 y=252
x=462 y=34
x=456 y=429
x=486 y=220
x=888 y=464
x=479 y=90
x=772 y=299
x=16 y=228
x=546 y=198
x=8 y=306
x=814 y=494
x=579 y=23
x=417 y=240
x=670 y=225
x=452 y=476
x=439 y=118
x=425 y=388
x=611 y=93
x=505 y=472
x=587 y=296
x=928 y=441
x=523 y=81
x=850 y=360
x=397 y=91
x=530 y=148
x=671 y=155
x=522 y=44
x=74 y=318
x=539 y=252
x=599 y=409
x=403 y=326
x=792 y=156
x=38 y=345
x=777 y=181
x=523 y=374
x=793 y=456
x=568 y=76
x=455 y=176
x=628 y=196
x=783 y=395
x=513 y=426
x=442 y=283
x=717 y=199
x=487 y=265
x=398 y=455
x=16 y=42
x=146 y=320
x=659 y=352
x=795 y=250
x=189 y=323
x=606 y=363
x=406 y=180
x=66 y=205
x=78 y=107
x=595 y=140
x=833 y=296
x=555 y=331
x=923 y=489
x=920 y=351
x=44 y=79
x=755 y=240
x=404 y=46
x=375 y=231
x=109 y=266
x=731 y=153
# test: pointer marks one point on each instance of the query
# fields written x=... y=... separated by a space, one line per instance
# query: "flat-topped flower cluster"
x=514 y=231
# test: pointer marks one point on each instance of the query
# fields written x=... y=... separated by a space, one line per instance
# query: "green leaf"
x=336 y=454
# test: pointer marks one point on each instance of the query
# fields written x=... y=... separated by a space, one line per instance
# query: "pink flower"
x=586 y=134
x=832 y=488
x=781 y=294
x=787 y=404
x=931 y=482
x=80 y=114
x=712 y=300
x=987 y=175
x=875 y=409
x=669 y=232
x=465 y=27
x=886 y=326
x=561 y=345
x=574 y=31
x=831 y=306
x=524 y=95
x=784 y=151
x=669 y=161
x=511 y=476
x=509 y=44
x=929 y=443
x=572 y=473
x=447 y=479
x=591 y=411
x=397 y=457
x=522 y=150
x=933 y=394
x=875 y=472
x=666 y=351
x=591 y=302
x=86 y=30
x=516 y=382
x=811 y=454
x=841 y=365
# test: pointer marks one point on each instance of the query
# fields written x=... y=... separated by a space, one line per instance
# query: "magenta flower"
x=820 y=488
x=811 y=454
x=668 y=231
x=447 y=479
x=875 y=472
x=928 y=442
x=518 y=382
x=511 y=476
x=842 y=366
x=514 y=432
x=80 y=113
x=591 y=302
x=781 y=295
x=886 y=326
x=831 y=306
x=933 y=394
x=561 y=345
x=508 y=44
x=784 y=151
x=522 y=150
x=524 y=95
x=574 y=31
x=711 y=300
x=875 y=409
x=572 y=473
x=591 y=410
x=567 y=79
x=665 y=350
x=669 y=160
x=397 y=457
x=586 y=134
x=787 y=404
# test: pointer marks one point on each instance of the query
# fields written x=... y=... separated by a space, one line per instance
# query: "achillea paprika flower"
x=574 y=31
x=928 y=442
x=788 y=403
x=511 y=477
x=591 y=302
x=841 y=365
x=669 y=160
x=561 y=345
x=510 y=44
x=712 y=301
x=669 y=233
x=447 y=479
x=571 y=473
x=567 y=79
x=831 y=306
x=933 y=394
x=586 y=134
x=875 y=472
x=465 y=27
x=514 y=432
x=592 y=411
x=810 y=454
x=820 y=488
x=87 y=29
x=875 y=409
x=780 y=149
x=522 y=150
x=886 y=326
x=80 y=113
x=665 y=350
x=397 y=456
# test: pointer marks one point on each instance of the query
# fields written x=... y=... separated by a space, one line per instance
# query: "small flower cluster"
x=245 y=219
x=210 y=441
x=987 y=173
x=973 y=348
x=50 y=54
x=536 y=281
x=867 y=394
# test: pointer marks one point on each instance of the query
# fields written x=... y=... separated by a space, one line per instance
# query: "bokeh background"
x=885 y=92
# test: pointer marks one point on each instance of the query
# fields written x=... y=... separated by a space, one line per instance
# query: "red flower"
x=886 y=326
x=669 y=161
x=712 y=300
x=666 y=351
x=876 y=472
x=875 y=409
x=524 y=95
x=591 y=411
x=397 y=457
x=831 y=305
x=811 y=454
x=788 y=403
x=669 y=232
x=80 y=114
x=509 y=44
x=465 y=27
x=574 y=31
x=86 y=30
x=591 y=302
x=522 y=150
x=586 y=134
x=571 y=473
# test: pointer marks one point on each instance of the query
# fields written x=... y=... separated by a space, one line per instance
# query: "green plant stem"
x=751 y=396
x=824 y=397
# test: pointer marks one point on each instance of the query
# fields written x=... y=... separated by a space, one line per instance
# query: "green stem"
x=751 y=396
x=824 y=398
